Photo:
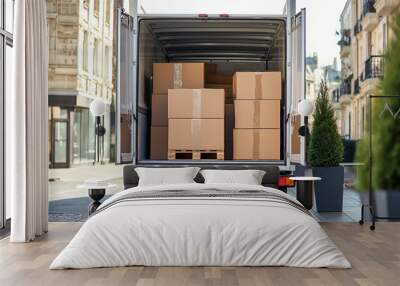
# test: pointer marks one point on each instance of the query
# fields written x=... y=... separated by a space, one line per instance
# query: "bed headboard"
x=270 y=179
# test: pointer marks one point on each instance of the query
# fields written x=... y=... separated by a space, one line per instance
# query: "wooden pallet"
x=195 y=155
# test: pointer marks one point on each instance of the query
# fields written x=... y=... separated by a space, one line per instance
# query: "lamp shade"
x=305 y=107
x=97 y=107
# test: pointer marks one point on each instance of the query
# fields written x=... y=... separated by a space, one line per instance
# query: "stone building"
x=80 y=70
x=344 y=93
x=315 y=74
x=370 y=33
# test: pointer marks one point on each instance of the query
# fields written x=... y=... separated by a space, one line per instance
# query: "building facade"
x=311 y=67
x=343 y=99
x=80 y=70
x=315 y=74
x=363 y=63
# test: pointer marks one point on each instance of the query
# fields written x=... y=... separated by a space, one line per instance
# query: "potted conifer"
x=385 y=139
x=325 y=153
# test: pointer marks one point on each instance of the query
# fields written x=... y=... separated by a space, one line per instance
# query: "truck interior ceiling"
x=230 y=44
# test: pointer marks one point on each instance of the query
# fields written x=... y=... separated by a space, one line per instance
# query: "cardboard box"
x=257 y=113
x=159 y=143
x=229 y=126
x=257 y=85
x=196 y=103
x=256 y=144
x=196 y=134
x=159 y=110
x=177 y=75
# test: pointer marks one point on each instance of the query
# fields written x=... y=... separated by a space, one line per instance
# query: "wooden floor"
x=375 y=257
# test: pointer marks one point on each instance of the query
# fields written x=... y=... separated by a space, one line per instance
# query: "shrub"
x=325 y=147
x=385 y=127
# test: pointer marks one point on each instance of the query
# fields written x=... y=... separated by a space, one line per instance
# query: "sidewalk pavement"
x=63 y=182
x=85 y=172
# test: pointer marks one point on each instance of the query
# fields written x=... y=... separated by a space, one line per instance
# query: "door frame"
x=126 y=91
x=53 y=164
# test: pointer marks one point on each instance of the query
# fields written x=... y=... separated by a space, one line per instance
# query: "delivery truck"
x=226 y=46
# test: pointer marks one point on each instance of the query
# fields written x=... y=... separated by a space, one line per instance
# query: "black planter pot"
x=386 y=203
x=329 y=191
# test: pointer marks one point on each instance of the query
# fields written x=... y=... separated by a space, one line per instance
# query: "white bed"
x=209 y=230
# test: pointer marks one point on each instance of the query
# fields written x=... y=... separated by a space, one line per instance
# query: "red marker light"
x=284 y=181
x=203 y=15
x=224 y=15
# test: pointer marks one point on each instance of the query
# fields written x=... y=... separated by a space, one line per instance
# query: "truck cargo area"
x=236 y=44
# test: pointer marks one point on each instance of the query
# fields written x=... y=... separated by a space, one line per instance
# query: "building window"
x=52 y=34
x=6 y=66
x=362 y=121
x=384 y=37
x=96 y=57
x=349 y=125
x=107 y=64
x=82 y=136
x=108 y=11
x=9 y=10
x=96 y=7
x=85 y=51
x=369 y=45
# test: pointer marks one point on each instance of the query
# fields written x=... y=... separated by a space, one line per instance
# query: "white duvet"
x=202 y=232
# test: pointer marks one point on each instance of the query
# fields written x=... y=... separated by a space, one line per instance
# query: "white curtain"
x=27 y=150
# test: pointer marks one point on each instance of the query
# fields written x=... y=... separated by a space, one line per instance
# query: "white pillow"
x=166 y=176
x=247 y=177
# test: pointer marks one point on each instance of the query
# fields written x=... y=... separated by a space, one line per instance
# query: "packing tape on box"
x=256 y=114
x=195 y=132
x=178 y=81
x=258 y=88
x=256 y=144
x=196 y=103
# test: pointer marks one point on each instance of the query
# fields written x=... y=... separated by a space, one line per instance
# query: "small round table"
x=96 y=192
x=305 y=190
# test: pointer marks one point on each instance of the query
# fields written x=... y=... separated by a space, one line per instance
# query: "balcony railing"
x=368 y=7
x=345 y=88
x=374 y=67
x=345 y=39
x=357 y=27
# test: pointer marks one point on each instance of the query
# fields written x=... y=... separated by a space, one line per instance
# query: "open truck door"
x=126 y=119
x=297 y=84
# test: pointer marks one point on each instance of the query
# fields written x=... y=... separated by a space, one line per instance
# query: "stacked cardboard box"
x=257 y=115
x=195 y=121
x=168 y=76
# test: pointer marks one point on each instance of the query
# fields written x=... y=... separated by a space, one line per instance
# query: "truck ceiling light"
x=305 y=107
